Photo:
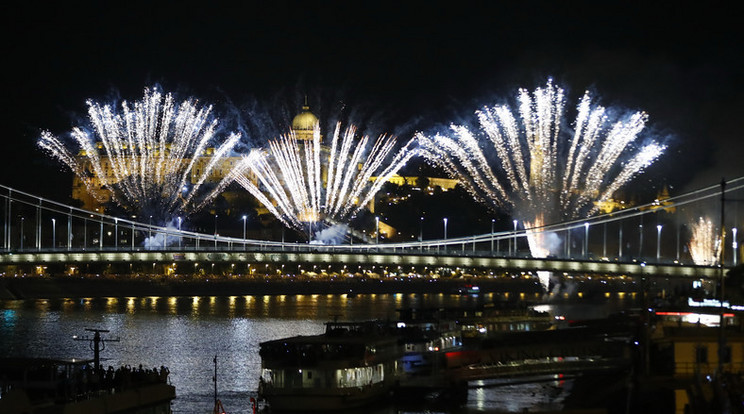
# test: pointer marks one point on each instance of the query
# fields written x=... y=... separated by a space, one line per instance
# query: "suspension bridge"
x=650 y=239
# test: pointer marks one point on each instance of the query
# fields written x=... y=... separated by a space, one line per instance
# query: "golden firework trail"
x=705 y=243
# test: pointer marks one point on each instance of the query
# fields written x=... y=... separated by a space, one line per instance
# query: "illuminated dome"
x=305 y=120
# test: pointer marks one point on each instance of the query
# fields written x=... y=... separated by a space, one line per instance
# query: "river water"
x=186 y=333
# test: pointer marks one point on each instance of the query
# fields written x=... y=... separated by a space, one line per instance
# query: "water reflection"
x=185 y=333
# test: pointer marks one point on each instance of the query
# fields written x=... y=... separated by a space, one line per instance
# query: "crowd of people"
x=88 y=379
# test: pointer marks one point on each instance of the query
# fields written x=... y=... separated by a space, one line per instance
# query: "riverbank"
x=12 y=288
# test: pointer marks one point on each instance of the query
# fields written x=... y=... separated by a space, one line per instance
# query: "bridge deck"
x=336 y=256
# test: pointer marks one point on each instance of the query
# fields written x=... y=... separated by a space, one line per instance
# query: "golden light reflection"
x=172 y=305
x=42 y=305
x=111 y=304
x=231 y=306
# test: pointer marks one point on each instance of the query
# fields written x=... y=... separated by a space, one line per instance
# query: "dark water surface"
x=185 y=333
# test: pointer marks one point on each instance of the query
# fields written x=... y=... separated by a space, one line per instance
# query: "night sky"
x=399 y=68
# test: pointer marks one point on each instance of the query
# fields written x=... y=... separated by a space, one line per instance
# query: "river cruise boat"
x=50 y=386
x=350 y=365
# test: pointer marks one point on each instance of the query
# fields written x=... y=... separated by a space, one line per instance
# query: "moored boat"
x=350 y=365
x=48 y=385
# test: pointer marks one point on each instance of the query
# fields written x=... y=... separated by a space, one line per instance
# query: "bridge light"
x=658 y=242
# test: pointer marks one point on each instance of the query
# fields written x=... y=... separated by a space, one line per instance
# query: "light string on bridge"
x=171 y=236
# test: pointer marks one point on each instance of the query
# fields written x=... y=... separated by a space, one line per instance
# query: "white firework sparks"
x=550 y=174
x=304 y=184
x=705 y=243
x=151 y=157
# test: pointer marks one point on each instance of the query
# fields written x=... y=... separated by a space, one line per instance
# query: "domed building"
x=304 y=123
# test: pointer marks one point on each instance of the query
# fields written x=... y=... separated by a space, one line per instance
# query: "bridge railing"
x=32 y=223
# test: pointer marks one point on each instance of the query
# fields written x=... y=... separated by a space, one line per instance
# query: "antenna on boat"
x=97 y=343
x=218 y=408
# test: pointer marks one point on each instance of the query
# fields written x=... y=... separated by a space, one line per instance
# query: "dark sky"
x=413 y=65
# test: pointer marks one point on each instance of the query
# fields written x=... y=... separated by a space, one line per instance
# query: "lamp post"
x=679 y=228
x=514 y=252
x=586 y=240
x=658 y=242
x=604 y=239
x=244 y=218
x=23 y=219
x=421 y=228
x=444 y=220
x=179 y=232
x=215 y=229
x=421 y=233
x=734 y=245
x=54 y=233
x=492 y=223
x=116 y=234
x=377 y=229
x=640 y=241
x=149 y=229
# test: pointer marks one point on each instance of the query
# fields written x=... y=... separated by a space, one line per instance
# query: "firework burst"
x=543 y=172
x=705 y=243
x=308 y=186
x=153 y=156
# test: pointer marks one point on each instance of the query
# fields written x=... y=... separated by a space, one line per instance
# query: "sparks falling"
x=153 y=157
x=308 y=187
x=542 y=171
x=705 y=243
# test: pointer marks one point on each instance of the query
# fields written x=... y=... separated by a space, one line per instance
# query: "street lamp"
x=180 y=237
x=604 y=239
x=658 y=242
x=640 y=241
x=734 y=245
x=514 y=252
x=149 y=229
x=377 y=229
x=54 y=233
x=244 y=218
x=116 y=233
x=179 y=232
x=492 y=223
x=23 y=219
x=421 y=233
x=421 y=228
x=445 y=228
x=215 y=229
x=586 y=240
